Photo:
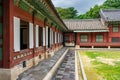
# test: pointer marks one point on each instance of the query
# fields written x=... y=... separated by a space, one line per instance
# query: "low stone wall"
x=76 y=67
x=66 y=68
x=55 y=67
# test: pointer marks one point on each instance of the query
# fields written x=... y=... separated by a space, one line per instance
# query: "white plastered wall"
x=52 y=37
x=16 y=34
x=37 y=36
x=30 y=35
x=46 y=35
x=58 y=38
x=55 y=37
x=43 y=36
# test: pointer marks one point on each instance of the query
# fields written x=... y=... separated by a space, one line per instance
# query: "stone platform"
x=40 y=71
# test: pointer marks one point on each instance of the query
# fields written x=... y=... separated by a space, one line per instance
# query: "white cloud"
x=80 y=5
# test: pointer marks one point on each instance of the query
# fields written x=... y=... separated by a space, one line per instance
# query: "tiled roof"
x=85 y=24
x=110 y=15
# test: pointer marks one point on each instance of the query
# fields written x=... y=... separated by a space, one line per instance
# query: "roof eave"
x=105 y=30
x=55 y=12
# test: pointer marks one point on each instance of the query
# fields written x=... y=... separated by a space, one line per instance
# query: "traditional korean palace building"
x=32 y=30
x=94 y=33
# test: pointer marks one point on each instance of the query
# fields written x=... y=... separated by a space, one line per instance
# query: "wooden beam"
x=1 y=45
x=1 y=19
x=26 y=16
x=1 y=36
x=1 y=4
x=0 y=63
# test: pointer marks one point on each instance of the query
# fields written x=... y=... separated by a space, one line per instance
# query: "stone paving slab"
x=40 y=71
x=67 y=69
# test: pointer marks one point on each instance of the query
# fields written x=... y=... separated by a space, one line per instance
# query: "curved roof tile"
x=85 y=24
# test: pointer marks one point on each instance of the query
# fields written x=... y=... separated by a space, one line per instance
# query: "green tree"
x=67 y=13
x=94 y=12
x=112 y=4
x=71 y=13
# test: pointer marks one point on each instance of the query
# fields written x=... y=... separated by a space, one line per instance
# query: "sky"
x=81 y=6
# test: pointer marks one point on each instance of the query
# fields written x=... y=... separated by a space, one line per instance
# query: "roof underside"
x=111 y=15
x=86 y=25
x=44 y=9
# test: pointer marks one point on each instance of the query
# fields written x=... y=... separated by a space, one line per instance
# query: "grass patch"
x=105 y=54
x=92 y=54
x=106 y=71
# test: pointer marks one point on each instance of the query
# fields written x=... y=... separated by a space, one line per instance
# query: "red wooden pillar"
x=72 y=36
x=93 y=37
x=104 y=37
x=34 y=33
x=55 y=39
x=107 y=37
x=78 y=38
x=89 y=37
x=8 y=33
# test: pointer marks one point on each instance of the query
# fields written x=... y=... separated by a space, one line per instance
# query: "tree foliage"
x=67 y=13
x=112 y=4
x=71 y=13
x=94 y=12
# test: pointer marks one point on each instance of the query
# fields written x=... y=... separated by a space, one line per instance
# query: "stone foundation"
x=77 y=47
x=92 y=47
x=50 y=53
x=109 y=47
x=39 y=58
x=5 y=74
x=13 y=73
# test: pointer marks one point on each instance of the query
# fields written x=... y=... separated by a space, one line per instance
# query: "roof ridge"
x=80 y=19
x=110 y=9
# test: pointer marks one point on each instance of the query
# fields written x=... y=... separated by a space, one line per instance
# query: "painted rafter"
x=54 y=12
x=41 y=7
x=49 y=10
